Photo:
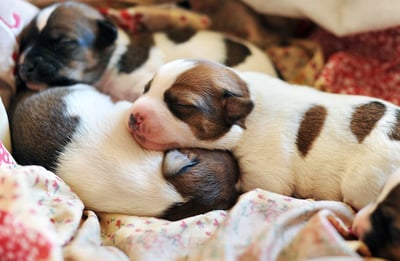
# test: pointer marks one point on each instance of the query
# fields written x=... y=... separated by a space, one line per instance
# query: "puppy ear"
x=107 y=33
x=237 y=109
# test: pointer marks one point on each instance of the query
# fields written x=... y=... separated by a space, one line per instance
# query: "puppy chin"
x=149 y=145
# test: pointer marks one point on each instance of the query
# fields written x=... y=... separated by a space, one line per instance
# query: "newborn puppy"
x=292 y=140
x=80 y=134
x=73 y=43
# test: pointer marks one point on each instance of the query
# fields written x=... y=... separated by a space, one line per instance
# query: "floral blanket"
x=42 y=219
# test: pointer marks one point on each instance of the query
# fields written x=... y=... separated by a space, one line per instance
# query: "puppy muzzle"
x=36 y=70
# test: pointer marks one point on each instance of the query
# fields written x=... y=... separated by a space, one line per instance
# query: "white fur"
x=115 y=174
x=337 y=167
x=212 y=48
x=130 y=86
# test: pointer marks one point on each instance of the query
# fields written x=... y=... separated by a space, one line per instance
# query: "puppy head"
x=66 y=43
x=207 y=178
x=378 y=224
x=191 y=103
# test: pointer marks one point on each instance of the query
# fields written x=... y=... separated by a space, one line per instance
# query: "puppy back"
x=40 y=127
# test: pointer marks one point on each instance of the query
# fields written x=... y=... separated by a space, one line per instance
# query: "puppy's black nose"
x=133 y=123
x=37 y=69
x=26 y=69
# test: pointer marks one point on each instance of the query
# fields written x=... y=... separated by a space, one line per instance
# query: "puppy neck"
x=121 y=46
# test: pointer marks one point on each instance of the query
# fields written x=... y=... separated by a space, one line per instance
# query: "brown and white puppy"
x=73 y=43
x=378 y=224
x=288 y=139
x=81 y=135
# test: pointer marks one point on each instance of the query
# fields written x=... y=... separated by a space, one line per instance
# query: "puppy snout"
x=36 y=69
x=26 y=69
x=134 y=121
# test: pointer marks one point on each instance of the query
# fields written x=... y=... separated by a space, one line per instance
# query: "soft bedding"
x=42 y=219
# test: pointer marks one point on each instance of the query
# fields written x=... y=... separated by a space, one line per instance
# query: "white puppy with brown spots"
x=288 y=139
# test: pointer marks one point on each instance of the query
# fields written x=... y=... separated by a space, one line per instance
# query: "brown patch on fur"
x=39 y=127
x=210 y=98
x=395 y=130
x=180 y=35
x=137 y=53
x=206 y=177
x=365 y=117
x=310 y=128
x=236 y=53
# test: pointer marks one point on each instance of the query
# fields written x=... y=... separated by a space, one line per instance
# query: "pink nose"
x=135 y=121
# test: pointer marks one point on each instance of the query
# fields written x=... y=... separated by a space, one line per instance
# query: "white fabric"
x=341 y=17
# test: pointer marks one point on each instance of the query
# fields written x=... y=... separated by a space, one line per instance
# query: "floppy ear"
x=107 y=33
x=237 y=109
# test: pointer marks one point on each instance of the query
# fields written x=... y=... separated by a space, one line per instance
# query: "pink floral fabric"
x=42 y=219
x=5 y=156
x=261 y=226
x=38 y=212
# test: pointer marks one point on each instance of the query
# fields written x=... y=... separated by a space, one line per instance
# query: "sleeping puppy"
x=73 y=43
x=81 y=135
x=378 y=224
x=291 y=140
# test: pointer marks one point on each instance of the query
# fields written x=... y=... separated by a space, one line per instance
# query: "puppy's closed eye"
x=177 y=162
x=63 y=43
x=147 y=86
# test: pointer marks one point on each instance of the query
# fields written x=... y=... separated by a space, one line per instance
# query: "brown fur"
x=395 y=131
x=236 y=53
x=137 y=53
x=36 y=141
x=208 y=178
x=310 y=128
x=180 y=35
x=364 y=119
x=234 y=104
